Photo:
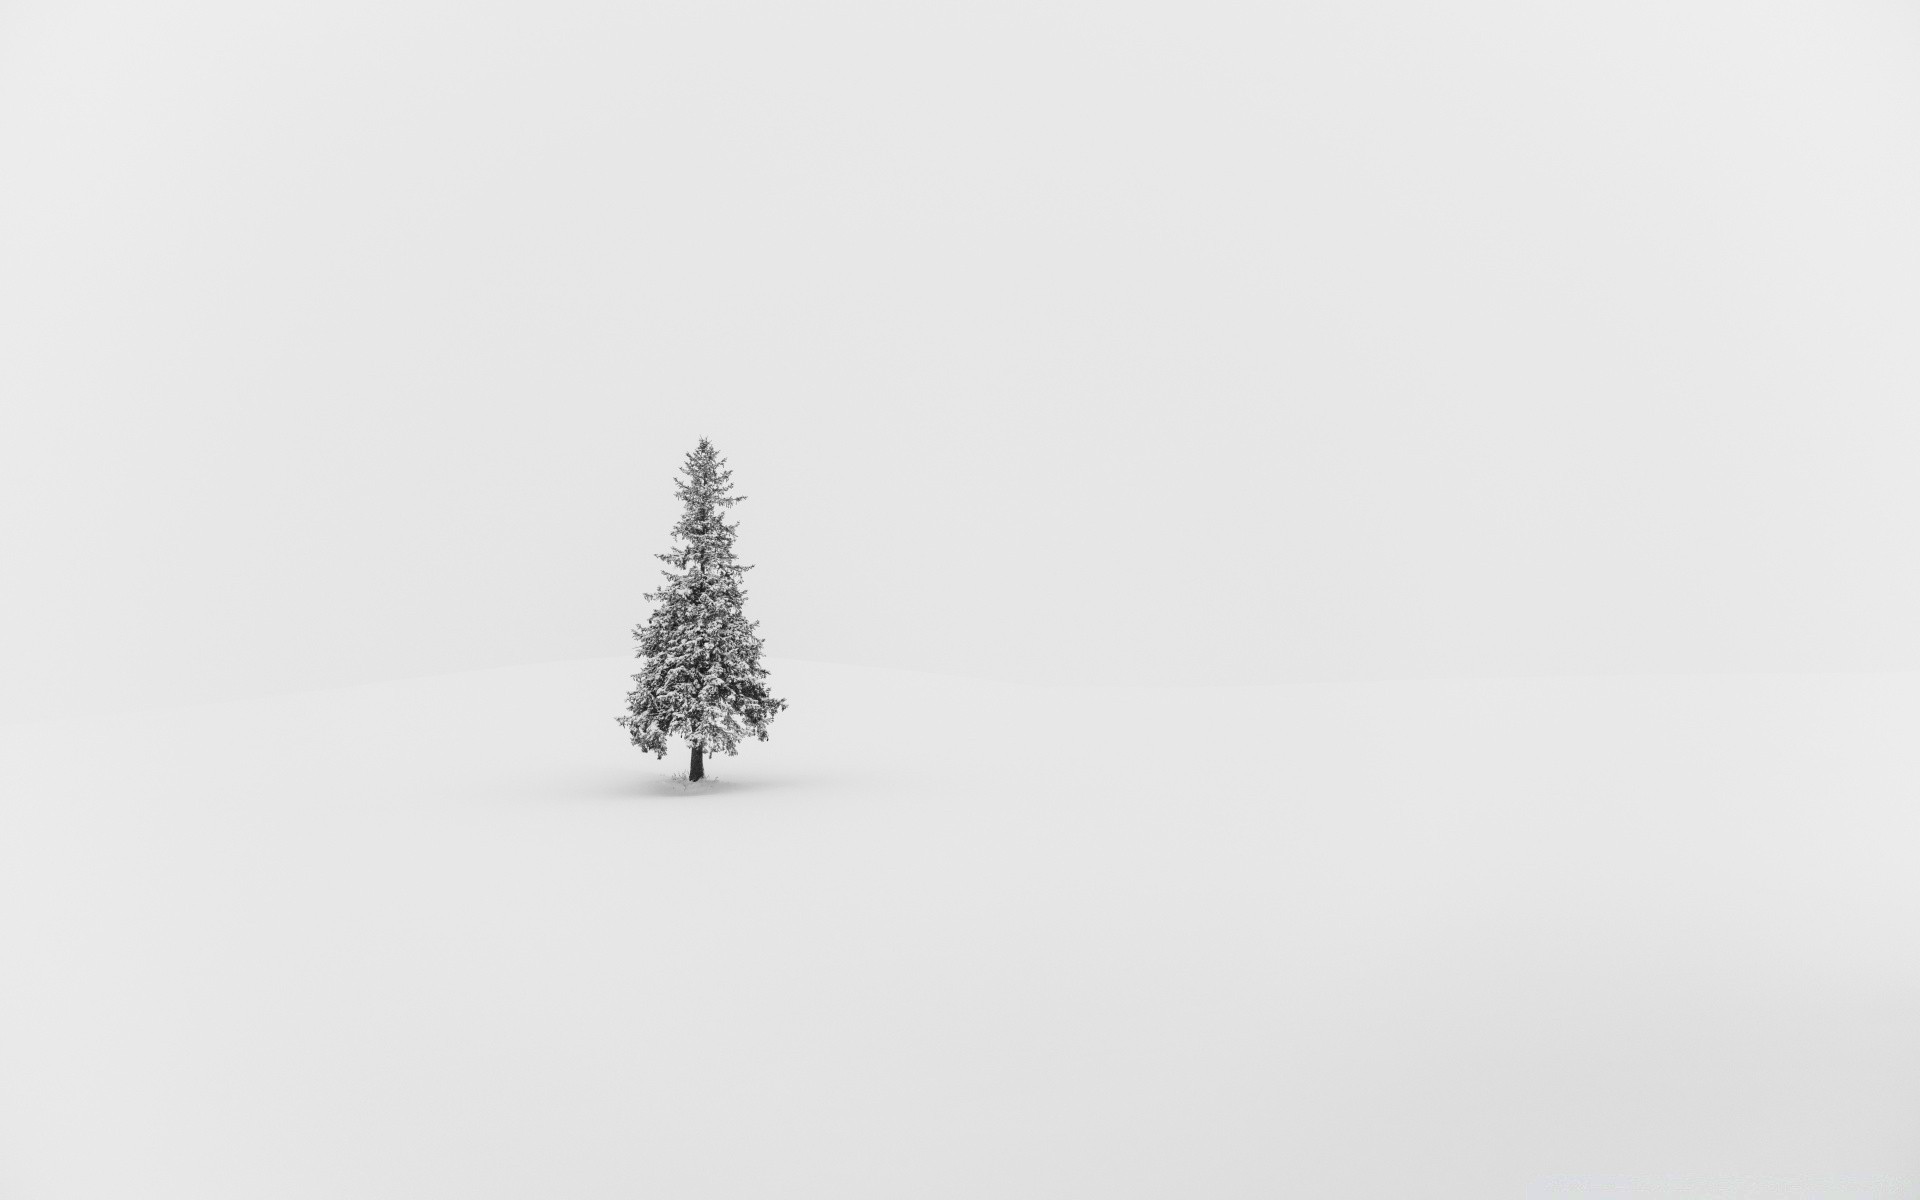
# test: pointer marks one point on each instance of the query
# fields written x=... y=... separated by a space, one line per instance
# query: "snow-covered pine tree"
x=702 y=680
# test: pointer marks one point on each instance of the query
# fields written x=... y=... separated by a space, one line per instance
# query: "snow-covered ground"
x=451 y=937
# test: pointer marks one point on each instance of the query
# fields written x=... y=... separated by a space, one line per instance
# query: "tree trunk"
x=695 y=770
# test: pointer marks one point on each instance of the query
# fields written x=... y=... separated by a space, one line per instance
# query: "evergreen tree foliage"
x=702 y=680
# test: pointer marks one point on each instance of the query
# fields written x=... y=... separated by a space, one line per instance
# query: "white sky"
x=1154 y=341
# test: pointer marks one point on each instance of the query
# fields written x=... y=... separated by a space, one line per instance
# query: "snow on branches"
x=702 y=680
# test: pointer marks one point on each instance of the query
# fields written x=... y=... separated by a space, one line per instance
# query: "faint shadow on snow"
x=641 y=786
x=677 y=784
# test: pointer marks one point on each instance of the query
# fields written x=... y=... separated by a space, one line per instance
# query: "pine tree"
x=702 y=680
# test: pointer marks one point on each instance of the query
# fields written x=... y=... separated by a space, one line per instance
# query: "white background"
x=1174 y=345
x=1160 y=342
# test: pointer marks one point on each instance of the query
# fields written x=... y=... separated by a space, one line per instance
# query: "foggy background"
x=1159 y=342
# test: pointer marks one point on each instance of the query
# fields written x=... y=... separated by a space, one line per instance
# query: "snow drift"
x=452 y=937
